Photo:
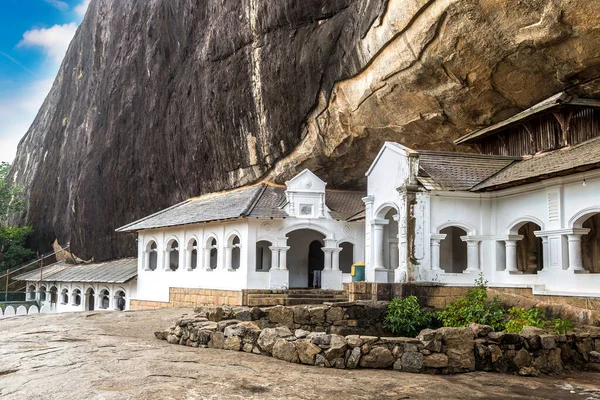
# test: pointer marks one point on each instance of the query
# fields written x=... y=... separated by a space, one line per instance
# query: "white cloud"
x=82 y=8
x=61 y=5
x=17 y=112
x=54 y=41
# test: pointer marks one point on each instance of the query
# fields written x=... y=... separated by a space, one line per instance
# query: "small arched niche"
x=453 y=250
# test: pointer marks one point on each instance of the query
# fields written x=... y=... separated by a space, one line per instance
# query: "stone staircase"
x=292 y=297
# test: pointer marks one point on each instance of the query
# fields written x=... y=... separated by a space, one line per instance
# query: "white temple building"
x=66 y=287
x=263 y=236
x=525 y=214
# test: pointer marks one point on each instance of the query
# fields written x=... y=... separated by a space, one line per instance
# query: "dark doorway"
x=316 y=262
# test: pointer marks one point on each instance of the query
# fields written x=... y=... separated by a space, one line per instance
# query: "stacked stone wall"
x=308 y=335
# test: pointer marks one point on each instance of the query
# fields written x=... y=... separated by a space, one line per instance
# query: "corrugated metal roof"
x=263 y=200
x=115 y=271
x=559 y=99
x=458 y=171
x=563 y=161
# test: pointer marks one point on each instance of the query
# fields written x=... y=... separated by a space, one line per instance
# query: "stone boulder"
x=268 y=337
x=353 y=357
x=307 y=351
x=285 y=350
x=378 y=357
x=480 y=330
x=248 y=331
x=337 y=347
x=412 y=361
x=281 y=315
x=459 y=347
x=217 y=340
x=435 y=360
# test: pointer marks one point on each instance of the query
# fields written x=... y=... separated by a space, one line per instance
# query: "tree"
x=13 y=239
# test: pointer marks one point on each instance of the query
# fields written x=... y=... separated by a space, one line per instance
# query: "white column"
x=335 y=258
x=283 y=257
x=510 y=249
x=327 y=252
x=274 y=257
x=188 y=259
x=435 y=251
x=378 y=243
x=322 y=205
x=167 y=260
x=545 y=249
x=207 y=258
x=472 y=254
x=228 y=254
x=575 y=256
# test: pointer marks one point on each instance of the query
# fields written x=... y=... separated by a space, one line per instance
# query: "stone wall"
x=445 y=350
x=583 y=309
x=191 y=297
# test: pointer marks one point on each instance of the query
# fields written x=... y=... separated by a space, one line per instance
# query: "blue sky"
x=34 y=35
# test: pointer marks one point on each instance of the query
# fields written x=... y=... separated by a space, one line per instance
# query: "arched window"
x=151 y=256
x=31 y=292
x=453 y=250
x=76 y=297
x=346 y=257
x=53 y=294
x=64 y=296
x=263 y=256
x=234 y=248
x=104 y=299
x=120 y=301
x=214 y=253
x=529 y=249
x=192 y=255
x=43 y=293
x=173 y=255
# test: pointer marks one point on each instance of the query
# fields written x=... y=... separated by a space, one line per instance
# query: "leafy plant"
x=404 y=317
x=562 y=326
x=474 y=307
x=519 y=317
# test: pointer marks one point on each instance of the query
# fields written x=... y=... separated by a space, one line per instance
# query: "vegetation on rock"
x=475 y=307
x=404 y=317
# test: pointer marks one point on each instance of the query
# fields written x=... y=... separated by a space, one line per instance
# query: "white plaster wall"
x=154 y=285
x=553 y=204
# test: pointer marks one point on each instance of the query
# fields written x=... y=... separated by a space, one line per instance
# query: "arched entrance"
x=590 y=244
x=90 y=299
x=453 y=250
x=304 y=256
x=530 y=257
x=316 y=263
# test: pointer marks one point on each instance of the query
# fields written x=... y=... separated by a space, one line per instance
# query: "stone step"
x=295 y=291
x=296 y=295
x=273 y=301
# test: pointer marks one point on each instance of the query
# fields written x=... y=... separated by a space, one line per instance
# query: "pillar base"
x=400 y=275
x=381 y=275
x=517 y=272
x=331 y=280
x=279 y=279
x=580 y=271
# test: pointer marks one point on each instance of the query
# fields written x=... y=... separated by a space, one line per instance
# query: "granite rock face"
x=161 y=100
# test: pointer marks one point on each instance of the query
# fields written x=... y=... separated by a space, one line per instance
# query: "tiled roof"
x=258 y=201
x=558 y=100
x=212 y=207
x=344 y=204
x=115 y=271
x=563 y=161
x=458 y=171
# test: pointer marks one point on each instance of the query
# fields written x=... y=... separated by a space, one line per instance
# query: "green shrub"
x=519 y=317
x=474 y=307
x=562 y=326
x=404 y=317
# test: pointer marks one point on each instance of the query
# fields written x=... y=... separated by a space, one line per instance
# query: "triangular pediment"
x=306 y=181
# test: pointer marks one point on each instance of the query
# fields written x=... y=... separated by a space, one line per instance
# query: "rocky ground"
x=115 y=355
